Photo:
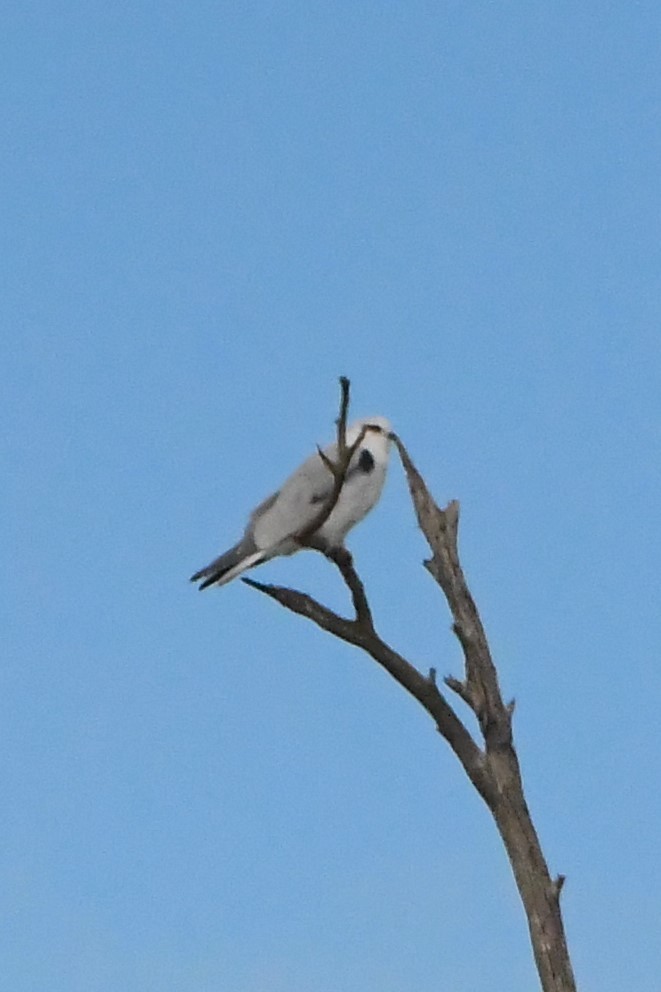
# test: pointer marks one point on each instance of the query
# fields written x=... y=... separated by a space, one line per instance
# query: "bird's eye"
x=366 y=461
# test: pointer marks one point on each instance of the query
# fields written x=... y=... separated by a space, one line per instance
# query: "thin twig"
x=338 y=468
x=341 y=422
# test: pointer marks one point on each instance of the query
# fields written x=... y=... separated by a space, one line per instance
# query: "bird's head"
x=376 y=434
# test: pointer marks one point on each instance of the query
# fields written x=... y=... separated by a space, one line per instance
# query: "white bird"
x=274 y=524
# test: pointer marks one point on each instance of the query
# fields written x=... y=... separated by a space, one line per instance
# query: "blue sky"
x=210 y=212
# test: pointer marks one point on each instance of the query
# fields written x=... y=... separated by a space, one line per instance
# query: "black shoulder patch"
x=366 y=461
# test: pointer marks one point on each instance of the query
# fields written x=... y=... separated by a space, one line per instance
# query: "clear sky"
x=209 y=212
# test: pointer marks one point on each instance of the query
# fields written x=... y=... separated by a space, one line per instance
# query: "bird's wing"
x=228 y=565
x=294 y=506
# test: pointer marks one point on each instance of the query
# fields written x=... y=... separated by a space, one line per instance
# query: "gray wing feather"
x=219 y=566
x=294 y=505
x=275 y=519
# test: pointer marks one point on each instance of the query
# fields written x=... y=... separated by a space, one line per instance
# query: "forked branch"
x=338 y=468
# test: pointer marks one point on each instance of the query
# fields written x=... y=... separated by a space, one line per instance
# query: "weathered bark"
x=480 y=690
x=493 y=768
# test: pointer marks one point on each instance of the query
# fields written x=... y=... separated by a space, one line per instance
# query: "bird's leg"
x=316 y=543
x=341 y=556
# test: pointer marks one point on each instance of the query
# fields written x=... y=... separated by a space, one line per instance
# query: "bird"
x=273 y=526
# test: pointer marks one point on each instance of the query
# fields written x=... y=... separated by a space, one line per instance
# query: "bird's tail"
x=227 y=566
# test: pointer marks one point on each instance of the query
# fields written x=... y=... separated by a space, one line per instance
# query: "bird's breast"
x=359 y=494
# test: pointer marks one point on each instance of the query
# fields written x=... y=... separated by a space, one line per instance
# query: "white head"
x=376 y=435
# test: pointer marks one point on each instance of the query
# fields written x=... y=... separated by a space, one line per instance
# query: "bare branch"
x=306 y=606
x=344 y=561
x=361 y=633
x=481 y=691
x=330 y=465
x=341 y=422
x=440 y=527
x=461 y=689
x=558 y=884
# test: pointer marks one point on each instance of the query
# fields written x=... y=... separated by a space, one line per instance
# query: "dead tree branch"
x=539 y=893
x=360 y=632
x=492 y=768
